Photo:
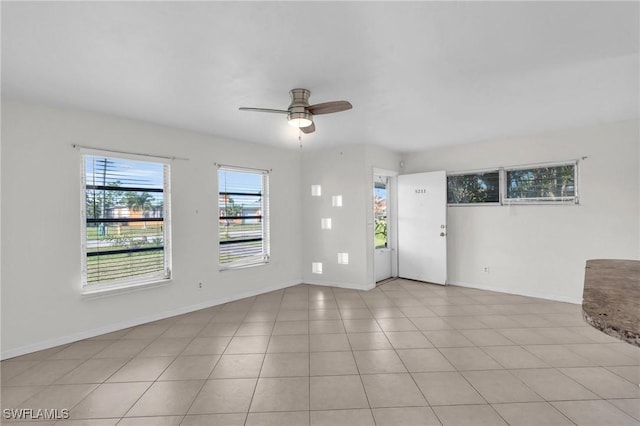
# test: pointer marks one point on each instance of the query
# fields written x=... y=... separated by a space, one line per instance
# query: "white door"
x=381 y=226
x=422 y=227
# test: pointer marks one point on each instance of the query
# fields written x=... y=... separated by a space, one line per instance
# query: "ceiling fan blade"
x=309 y=129
x=329 y=107
x=278 y=111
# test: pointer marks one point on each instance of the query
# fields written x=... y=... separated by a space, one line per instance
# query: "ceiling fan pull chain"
x=300 y=137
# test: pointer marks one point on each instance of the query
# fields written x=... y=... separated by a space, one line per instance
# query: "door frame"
x=392 y=219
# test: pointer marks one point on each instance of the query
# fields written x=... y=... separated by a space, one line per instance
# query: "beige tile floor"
x=405 y=353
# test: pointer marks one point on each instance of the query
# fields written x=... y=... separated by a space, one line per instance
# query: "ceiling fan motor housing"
x=299 y=97
x=298 y=115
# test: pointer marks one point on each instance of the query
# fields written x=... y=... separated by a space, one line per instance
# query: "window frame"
x=265 y=256
x=472 y=173
x=128 y=283
x=574 y=199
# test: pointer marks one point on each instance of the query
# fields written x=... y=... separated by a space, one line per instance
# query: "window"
x=546 y=183
x=549 y=183
x=243 y=200
x=380 y=211
x=474 y=188
x=126 y=225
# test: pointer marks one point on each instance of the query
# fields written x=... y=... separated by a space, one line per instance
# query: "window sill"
x=249 y=265
x=125 y=288
x=524 y=202
x=473 y=204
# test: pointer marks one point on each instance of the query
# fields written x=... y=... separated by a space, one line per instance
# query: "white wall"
x=346 y=171
x=41 y=301
x=339 y=171
x=540 y=250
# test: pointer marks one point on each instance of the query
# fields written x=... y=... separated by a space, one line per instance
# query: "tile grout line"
x=266 y=349
x=167 y=367
x=364 y=388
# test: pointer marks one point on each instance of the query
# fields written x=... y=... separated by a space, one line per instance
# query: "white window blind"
x=125 y=222
x=243 y=199
x=549 y=183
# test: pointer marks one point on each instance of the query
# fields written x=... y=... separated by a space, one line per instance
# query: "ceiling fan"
x=300 y=113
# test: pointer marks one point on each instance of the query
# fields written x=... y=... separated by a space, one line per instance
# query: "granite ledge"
x=611 y=298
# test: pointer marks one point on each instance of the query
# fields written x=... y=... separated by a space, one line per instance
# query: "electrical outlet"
x=199 y=285
x=485 y=269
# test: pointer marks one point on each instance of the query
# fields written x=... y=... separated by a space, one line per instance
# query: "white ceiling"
x=419 y=74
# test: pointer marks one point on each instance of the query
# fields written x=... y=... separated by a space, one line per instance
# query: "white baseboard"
x=351 y=286
x=87 y=334
x=539 y=295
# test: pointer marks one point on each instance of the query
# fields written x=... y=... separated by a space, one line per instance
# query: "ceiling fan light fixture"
x=300 y=119
x=300 y=114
